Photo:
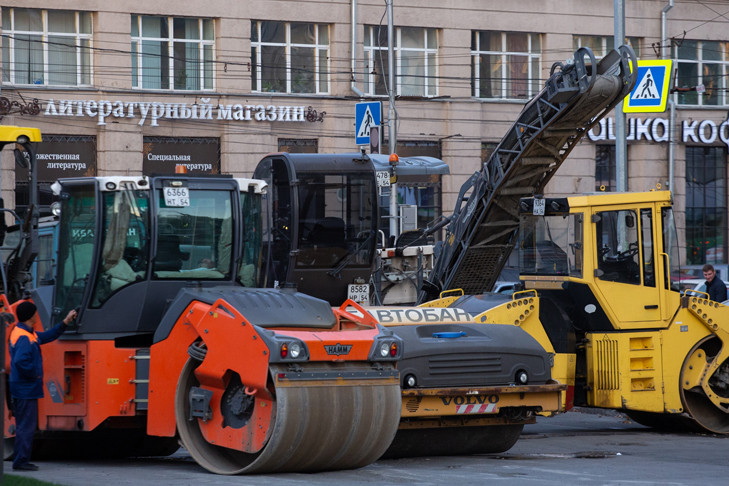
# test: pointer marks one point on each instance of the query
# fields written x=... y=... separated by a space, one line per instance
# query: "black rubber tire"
x=453 y=441
x=101 y=444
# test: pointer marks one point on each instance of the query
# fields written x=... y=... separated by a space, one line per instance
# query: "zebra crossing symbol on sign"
x=367 y=122
x=366 y=116
x=646 y=88
x=650 y=92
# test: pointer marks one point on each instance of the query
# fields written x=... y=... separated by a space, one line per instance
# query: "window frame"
x=431 y=90
x=706 y=222
x=607 y=43
x=606 y=166
x=682 y=97
x=258 y=45
x=9 y=35
x=138 y=55
x=533 y=82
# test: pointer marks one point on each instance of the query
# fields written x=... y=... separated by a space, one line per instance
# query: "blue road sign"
x=366 y=116
x=650 y=93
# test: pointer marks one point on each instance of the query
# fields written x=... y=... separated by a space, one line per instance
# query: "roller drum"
x=703 y=414
x=323 y=426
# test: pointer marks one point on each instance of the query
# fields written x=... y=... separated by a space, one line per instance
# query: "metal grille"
x=463 y=365
x=478 y=267
x=606 y=366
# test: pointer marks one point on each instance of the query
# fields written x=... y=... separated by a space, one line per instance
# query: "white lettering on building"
x=154 y=111
x=707 y=132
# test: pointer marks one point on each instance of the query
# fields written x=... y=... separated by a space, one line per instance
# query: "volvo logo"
x=338 y=349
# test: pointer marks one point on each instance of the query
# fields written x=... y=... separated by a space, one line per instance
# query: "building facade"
x=136 y=88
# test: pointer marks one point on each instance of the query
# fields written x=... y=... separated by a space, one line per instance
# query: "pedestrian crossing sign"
x=650 y=93
x=366 y=116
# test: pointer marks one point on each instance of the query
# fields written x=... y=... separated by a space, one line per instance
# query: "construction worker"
x=714 y=285
x=26 y=377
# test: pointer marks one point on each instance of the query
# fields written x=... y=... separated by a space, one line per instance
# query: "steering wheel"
x=79 y=283
x=134 y=257
x=630 y=252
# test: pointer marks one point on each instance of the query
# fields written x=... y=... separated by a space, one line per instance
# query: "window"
x=551 y=245
x=646 y=228
x=706 y=206
x=605 y=169
x=46 y=47
x=616 y=235
x=290 y=57
x=75 y=244
x=601 y=45
x=125 y=253
x=172 y=53
x=416 y=65
x=336 y=220
x=46 y=260
x=702 y=63
x=194 y=242
x=670 y=248
x=248 y=273
x=505 y=64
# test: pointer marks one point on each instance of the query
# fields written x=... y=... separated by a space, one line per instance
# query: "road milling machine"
x=601 y=296
x=466 y=388
x=174 y=344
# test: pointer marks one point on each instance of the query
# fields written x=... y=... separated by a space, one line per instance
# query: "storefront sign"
x=706 y=132
x=161 y=155
x=155 y=111
x=63 y=156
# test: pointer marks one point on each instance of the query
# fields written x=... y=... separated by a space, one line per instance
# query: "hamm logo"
x=338 y=349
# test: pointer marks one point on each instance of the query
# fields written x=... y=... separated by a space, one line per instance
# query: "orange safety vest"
x=19 y=332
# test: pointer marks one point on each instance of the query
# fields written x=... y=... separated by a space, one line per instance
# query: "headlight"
x=294 y=350
x=522 y=377
x=384 y=349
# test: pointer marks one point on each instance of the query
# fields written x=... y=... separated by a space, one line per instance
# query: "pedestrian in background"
x=714 y=285
x=26 y=377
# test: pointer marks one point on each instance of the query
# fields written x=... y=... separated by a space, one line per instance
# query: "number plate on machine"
x=177 y=197
x=383 y=178
x=539 y=205
x=359 y=293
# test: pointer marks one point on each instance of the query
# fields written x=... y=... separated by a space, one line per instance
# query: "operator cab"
x=609 y=265
x=320 y=222
x=124 y=239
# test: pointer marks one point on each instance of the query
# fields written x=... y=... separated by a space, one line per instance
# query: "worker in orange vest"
x=26 y=377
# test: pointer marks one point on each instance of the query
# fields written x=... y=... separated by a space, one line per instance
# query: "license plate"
x=383 y=178
x=359 y=293
x=539 y=205
x=177 y=197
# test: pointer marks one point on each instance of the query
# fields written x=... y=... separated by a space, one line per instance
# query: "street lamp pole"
x=392 y=114
x=621 y=145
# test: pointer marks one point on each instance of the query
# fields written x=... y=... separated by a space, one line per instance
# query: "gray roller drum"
x=327 y=426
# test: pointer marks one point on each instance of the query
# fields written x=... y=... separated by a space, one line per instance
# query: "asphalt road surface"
x=580 y=447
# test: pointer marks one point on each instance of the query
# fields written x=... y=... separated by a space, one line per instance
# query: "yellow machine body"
x=600 y=274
